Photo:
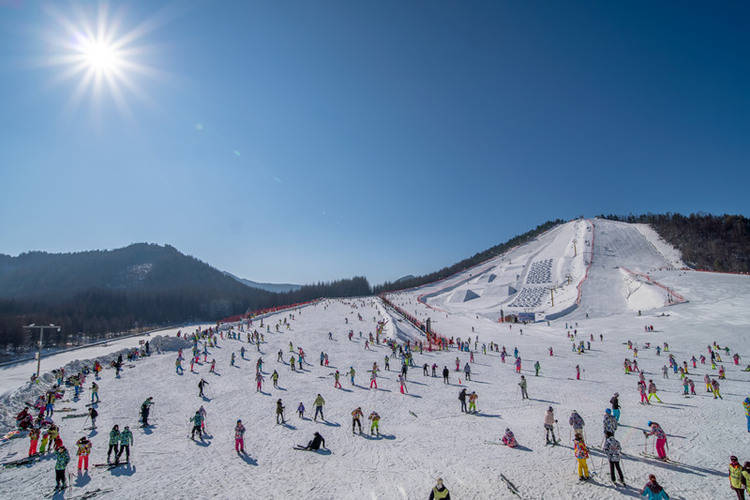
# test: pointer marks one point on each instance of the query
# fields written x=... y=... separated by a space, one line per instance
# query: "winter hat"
x=608 y=411
x=550 y=408
x=239 y=421
x=733 y=458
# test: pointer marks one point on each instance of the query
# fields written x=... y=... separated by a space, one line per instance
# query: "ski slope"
x=423 y=433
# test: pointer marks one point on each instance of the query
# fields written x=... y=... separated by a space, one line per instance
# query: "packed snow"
x=423 y=434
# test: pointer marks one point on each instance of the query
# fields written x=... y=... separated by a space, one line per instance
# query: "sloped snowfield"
x=423 y=433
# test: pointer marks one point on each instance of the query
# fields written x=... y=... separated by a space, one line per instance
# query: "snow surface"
x=439 y=441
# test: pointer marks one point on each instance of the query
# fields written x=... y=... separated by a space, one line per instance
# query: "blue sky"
x=304 y=141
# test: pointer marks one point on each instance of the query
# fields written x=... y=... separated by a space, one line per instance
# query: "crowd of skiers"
x=120 y=442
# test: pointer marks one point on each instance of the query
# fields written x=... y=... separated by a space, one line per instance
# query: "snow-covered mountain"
x=269 y=287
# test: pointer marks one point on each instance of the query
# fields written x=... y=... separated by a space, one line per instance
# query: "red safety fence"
x=648 y=278
x=252 y=314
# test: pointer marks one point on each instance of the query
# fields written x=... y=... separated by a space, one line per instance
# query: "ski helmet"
x=608 y=411
x=649 y=423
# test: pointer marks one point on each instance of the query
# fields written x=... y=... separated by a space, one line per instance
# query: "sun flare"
x=92 y=50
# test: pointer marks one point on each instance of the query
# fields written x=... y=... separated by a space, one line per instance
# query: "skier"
x=201 y=385
x=715 y=389
x=114 y=441
x=315 y=444
x=612 y=449
x=581 y=453
x=615 y=402
x=301 y=410
x=473 y=402
x=446 y=373
x=578 y=372
x=62 y=458
x=661 y=439
x=126 y=440
x=537 y=367
x=549 y=422
x=653 y=490
x=462 y=399
x=356 y=415
x=577 y=422
x=352 y=372
x=319 y=402
x=239 y=437
x=735 y=478
x=609 y=423
x=336 y=382
x=197 y=420
x=509 y=439
x=374 y=419
x=280 y=411
x=440 y=492
x=33 y=439
x=275 y=378
x=145 y=409
x=259 y=381
x=94 y=392
x=522 y=384
x=84 y=449
x=746 y=405
x=467 y=371
x=652 y=391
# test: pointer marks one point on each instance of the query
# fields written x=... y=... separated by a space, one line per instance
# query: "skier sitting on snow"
x=509 y=439
x=316 y=443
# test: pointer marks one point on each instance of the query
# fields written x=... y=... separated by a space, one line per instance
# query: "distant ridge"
x=269 y=287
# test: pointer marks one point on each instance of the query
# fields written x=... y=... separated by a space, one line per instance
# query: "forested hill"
x=102 y=291
x=710 y=242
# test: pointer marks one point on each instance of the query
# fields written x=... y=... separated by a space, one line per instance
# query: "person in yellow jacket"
x=440 y=492
x=84 y=449
x=581 y=452
x=735 y=477
x=746 y=476
x=374 y=418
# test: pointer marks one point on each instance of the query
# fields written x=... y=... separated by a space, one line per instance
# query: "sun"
x=100 y=56
x=91 y=49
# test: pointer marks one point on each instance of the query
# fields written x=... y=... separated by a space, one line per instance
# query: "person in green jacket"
x=197 y=423
x=126 y=439
x=114 y=441
x=735 y=477
x=62 y=458
x=319 y=402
